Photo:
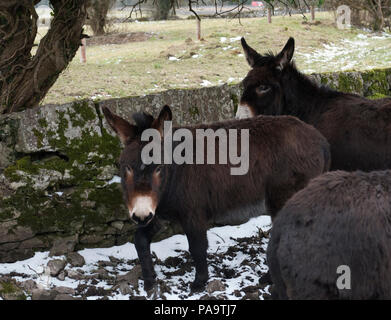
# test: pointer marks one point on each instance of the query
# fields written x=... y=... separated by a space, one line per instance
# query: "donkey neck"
x=302 y=97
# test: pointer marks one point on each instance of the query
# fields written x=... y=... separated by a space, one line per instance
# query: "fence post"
x=83 y=57
x=198 y=29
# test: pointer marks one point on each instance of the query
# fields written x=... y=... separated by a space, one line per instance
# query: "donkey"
x=332 y=240
x=358 y=129
x=284 y=154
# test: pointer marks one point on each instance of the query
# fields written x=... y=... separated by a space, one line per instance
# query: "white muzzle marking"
x=143 y=205
x=244 y=112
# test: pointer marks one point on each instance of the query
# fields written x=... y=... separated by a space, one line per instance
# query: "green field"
x=144 y=67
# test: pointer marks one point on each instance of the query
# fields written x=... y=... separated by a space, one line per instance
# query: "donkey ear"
x=164 y=115
x=286 y=55
x=125 y=131
x=251 y=55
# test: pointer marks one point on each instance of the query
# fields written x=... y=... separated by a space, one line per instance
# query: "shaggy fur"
x=285 y=154
x=340 y=218
x=358 y=129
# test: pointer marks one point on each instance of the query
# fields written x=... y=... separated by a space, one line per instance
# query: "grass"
x=139 y=68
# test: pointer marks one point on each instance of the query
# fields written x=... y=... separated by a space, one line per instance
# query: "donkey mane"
x=310 y=84
x=291 y=71
x=303 y=96
x=265 y=59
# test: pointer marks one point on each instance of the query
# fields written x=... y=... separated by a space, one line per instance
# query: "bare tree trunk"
x=162 y=9
x=312 y=13
x=97 y=15
x=25 y=79
x=269 y=15
x=380 y=17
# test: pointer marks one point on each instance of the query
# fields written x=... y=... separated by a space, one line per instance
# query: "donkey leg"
x=198 y=245
x=142 y=241
x=277 y=196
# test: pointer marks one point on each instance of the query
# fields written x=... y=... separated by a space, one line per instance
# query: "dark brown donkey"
x=358 y=129
x=332 y=240
x=284 y=154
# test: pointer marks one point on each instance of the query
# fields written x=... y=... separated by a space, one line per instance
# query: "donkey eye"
x=158 y=169
x=262 y=89
x=129 y=169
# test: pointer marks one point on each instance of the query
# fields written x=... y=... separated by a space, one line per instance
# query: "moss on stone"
x=235 y=101
x=85 y=154
x=85 y=207
x=194 y=112
x=378 y=96
x=349 y=83
x=81 y=113
x=43 y=123
x=39 y=135
x=326 y=79
x=24 y=164
x=9 y=289
x=377 y=82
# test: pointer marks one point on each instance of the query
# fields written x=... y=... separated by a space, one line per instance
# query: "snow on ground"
x=365 y=51
x=236 y=259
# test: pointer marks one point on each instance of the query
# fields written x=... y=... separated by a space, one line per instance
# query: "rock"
x=131 y=277
x=65 y=290
x=96 y=291
x=63 y=246
x=115 y=260
x=88 y=204
x=56 y=266
x=117 y=225
x=251 y=296
x=48 y=119
x=28 y=285
x=124 y=288
x=10 y=291
x=103 y=264
x=215 y=285
x=172 y=262
x=101 y=274
x=75 y=259
x=64 y=297
x=4 y=156
x=18 y=233
x=237 y=293
x=61 y=276
x=75 y=275
x=41 y=294
x=44 y=179
x=107 y=173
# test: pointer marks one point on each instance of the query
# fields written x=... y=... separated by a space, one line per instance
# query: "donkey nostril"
x=150 y=216
x=135 y=218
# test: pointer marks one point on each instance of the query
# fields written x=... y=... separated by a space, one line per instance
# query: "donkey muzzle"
x=244 y=112
x=142 y=210
x=142 y=221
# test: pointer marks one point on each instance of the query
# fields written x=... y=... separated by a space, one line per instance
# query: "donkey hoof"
x=149 y=284
x=197 y=286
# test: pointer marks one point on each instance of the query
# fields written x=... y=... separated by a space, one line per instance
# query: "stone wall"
x=57 y=163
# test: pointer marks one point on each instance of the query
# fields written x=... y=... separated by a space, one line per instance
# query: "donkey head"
x=142 y=184
x=263 y=92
